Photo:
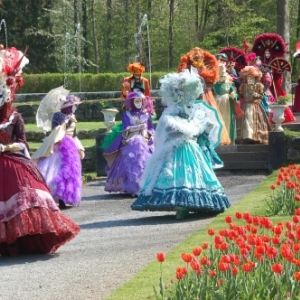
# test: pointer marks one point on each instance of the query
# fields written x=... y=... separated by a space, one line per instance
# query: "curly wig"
x=198 y=57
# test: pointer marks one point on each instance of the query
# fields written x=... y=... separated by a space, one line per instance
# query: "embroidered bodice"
x=12 y=130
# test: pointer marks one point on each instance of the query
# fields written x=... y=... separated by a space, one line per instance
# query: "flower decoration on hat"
x=71 y=100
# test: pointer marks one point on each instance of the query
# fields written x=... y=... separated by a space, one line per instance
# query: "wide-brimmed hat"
x=71 y=100
x=136 y=68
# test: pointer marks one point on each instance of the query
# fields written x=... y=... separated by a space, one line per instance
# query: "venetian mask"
x=267 y=53
x=138 y=103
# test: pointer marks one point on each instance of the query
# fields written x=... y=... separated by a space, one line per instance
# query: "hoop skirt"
x=30 y=220
x=179 y=174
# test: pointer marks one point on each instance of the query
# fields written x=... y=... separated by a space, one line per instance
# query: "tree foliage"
x=105 y=35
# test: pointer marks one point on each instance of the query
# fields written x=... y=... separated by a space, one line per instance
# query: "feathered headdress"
x=12 y=61
x=269 y=41
x=236 y=55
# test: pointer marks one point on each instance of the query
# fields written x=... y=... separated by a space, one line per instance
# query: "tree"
x=283 y=26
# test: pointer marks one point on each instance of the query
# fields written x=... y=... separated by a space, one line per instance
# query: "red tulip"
x=297 y=276
x=210 y=231
x=161 y=257
x=277 y=268
x=228 y=219
x=186 y=257
x=197 y=251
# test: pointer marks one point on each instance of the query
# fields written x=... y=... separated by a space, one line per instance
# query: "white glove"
x=294 y=84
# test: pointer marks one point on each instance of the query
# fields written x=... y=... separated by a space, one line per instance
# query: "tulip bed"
x=251 y=258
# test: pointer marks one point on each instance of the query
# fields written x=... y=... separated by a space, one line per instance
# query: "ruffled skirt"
x=62 y=172
x=127 y=169
x=185 y=180
x=30 y=221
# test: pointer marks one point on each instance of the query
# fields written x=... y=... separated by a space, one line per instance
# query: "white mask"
x=74 y=107
x=138 y=103
x=267 y=54
x=187 y=109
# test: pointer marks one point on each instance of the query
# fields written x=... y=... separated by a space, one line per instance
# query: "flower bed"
x=251 y=258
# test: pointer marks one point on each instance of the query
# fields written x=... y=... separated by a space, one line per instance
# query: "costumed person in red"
x=30 y=220
x=206 y=65
x=296 y=85
x=271 y=47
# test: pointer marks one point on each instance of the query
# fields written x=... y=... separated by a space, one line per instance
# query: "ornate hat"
x=136 y=68
x=12 y=61
x=236 y=55
x=71 y=100
x=222 y=56
x=180 y=88
x=269 y=41
x=297 y=51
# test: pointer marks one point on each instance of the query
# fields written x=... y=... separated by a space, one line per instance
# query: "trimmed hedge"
x=43 y=83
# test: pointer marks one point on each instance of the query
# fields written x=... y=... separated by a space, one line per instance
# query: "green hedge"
x=42 y=83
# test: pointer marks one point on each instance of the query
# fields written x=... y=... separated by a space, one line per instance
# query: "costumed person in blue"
x=128 y=153
x=178 y=176
x=59 y=157
x=30 y=220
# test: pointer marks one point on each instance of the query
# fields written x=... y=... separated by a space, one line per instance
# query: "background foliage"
x=99 y=36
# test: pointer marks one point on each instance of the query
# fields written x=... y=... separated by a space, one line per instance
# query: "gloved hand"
x=12 y=147
x=81 y=154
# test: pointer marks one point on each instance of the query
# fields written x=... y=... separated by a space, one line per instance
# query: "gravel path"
x=114 y=244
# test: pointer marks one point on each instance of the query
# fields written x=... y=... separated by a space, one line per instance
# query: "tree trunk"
x=171 y=29
x=108 y=35
x=84 y=32
x=95 y=41
x=126 y=39
x=283 y=29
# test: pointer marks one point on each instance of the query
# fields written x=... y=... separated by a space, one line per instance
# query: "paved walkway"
x=113 y=245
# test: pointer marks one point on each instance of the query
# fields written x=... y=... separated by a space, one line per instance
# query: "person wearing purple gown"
x=128 y=153
x=59 y=157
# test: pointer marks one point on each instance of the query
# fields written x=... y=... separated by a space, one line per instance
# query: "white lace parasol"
x=49 y=105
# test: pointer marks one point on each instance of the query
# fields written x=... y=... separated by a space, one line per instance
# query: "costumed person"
x=207 y=67
x=221 y=58
x=254 y=125
x=296 y=85
x=59 y=157
x=237 y=60
x=271 y=48
x=128 y=153
x=225 y=94
x=178 y=176
x=30 y=220
x=135 y=82
x=266 y=80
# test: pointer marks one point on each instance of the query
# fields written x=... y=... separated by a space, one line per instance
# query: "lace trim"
x=25 y=199
x=5 y=125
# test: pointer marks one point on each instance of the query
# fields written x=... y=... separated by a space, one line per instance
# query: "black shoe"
x=61 y=204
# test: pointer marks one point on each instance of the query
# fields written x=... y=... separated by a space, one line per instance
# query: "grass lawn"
x=79 y=126
x=140 y=287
